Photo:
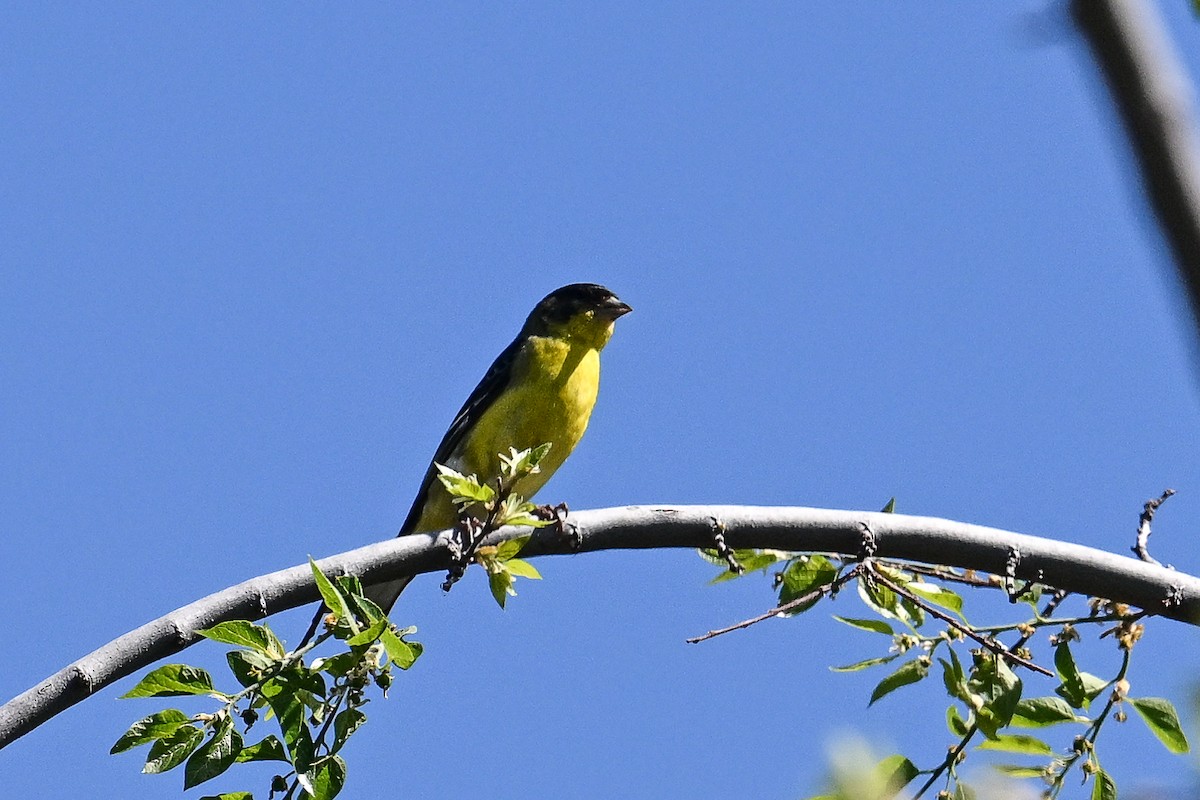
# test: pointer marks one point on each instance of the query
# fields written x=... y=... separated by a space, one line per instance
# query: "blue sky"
x=256 y=256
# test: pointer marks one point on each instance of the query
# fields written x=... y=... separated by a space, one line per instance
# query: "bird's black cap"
x=567 y=301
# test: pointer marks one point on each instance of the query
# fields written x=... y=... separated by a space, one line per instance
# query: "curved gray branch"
x=1154 y=97
x=1073 y=567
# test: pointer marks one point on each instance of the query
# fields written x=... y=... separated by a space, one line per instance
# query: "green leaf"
x=1020 y=771
x=403 y=654
x=345 y=724
x=500 y=581
x=894 y=773
x=229 y=796
x=999 y=687
x=518 y=464
x=148 y=729
x=283 y=695
x=464 y=489
x=335 y=601
x=246 y=634
x=301 y=750
x=349 y=584
x=172 y=750
x=1074 y=688
x=537 y=454
x=883 y=601
x=710 y=555
x=521 y=515
x=248 y=666
x=872 y=625
x=955 y=679
x=172 y=680
x=339 y=665
x=515 y=510
x=1041 y=712
x=326 y=779
x=366 y=608
x=370 y=634
x=1093 y=685
x=1103 y=786
x=1163 y=721
x=955 y=723
x=522 y=569
x=269 y=749
x=914 y=611
x=1017 y=743
x=938 y=595
x=890 y=508
x=216 y=756
x=751 y=560
x=1032 y=596
x=870 y=662
x=804 y=574
x=909 y=672
x=511 y=547
x=299 y=682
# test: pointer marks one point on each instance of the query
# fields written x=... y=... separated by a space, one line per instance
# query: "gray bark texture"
x=1155 y=100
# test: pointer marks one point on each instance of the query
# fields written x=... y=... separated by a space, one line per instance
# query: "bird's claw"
x=557 y=515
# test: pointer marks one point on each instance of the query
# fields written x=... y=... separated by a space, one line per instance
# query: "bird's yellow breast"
x=549 y=398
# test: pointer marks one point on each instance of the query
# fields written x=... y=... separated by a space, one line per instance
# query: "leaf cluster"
x=316 y=707
x=990 y=709
x=497 y=506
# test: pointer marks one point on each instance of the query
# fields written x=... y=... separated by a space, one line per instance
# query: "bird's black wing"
x=494 y=382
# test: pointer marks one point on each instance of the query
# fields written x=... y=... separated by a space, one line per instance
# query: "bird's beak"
x=613 y=308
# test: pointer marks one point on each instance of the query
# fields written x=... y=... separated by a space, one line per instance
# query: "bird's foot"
x=557 y=515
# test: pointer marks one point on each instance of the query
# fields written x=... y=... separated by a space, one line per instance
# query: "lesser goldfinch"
x=541 y=388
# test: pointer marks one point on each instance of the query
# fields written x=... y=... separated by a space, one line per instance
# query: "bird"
x=541 y=388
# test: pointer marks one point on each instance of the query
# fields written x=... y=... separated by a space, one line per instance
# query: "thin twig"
x=951 y=759
x=968 y=578
x=1050 y=607
x=1044 y=623
x=1143 y=534
x=474 y=532
x=827 y=588
x=1092 y=732
x=986 y=641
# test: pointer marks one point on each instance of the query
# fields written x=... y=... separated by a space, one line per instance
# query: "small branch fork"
x=469 y=533
x=986 y=641
x=1143 y=534
x=866 y=552
x=830 y=588
x=864 y=569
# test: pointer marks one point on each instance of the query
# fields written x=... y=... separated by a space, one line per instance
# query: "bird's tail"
x=383 y=595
